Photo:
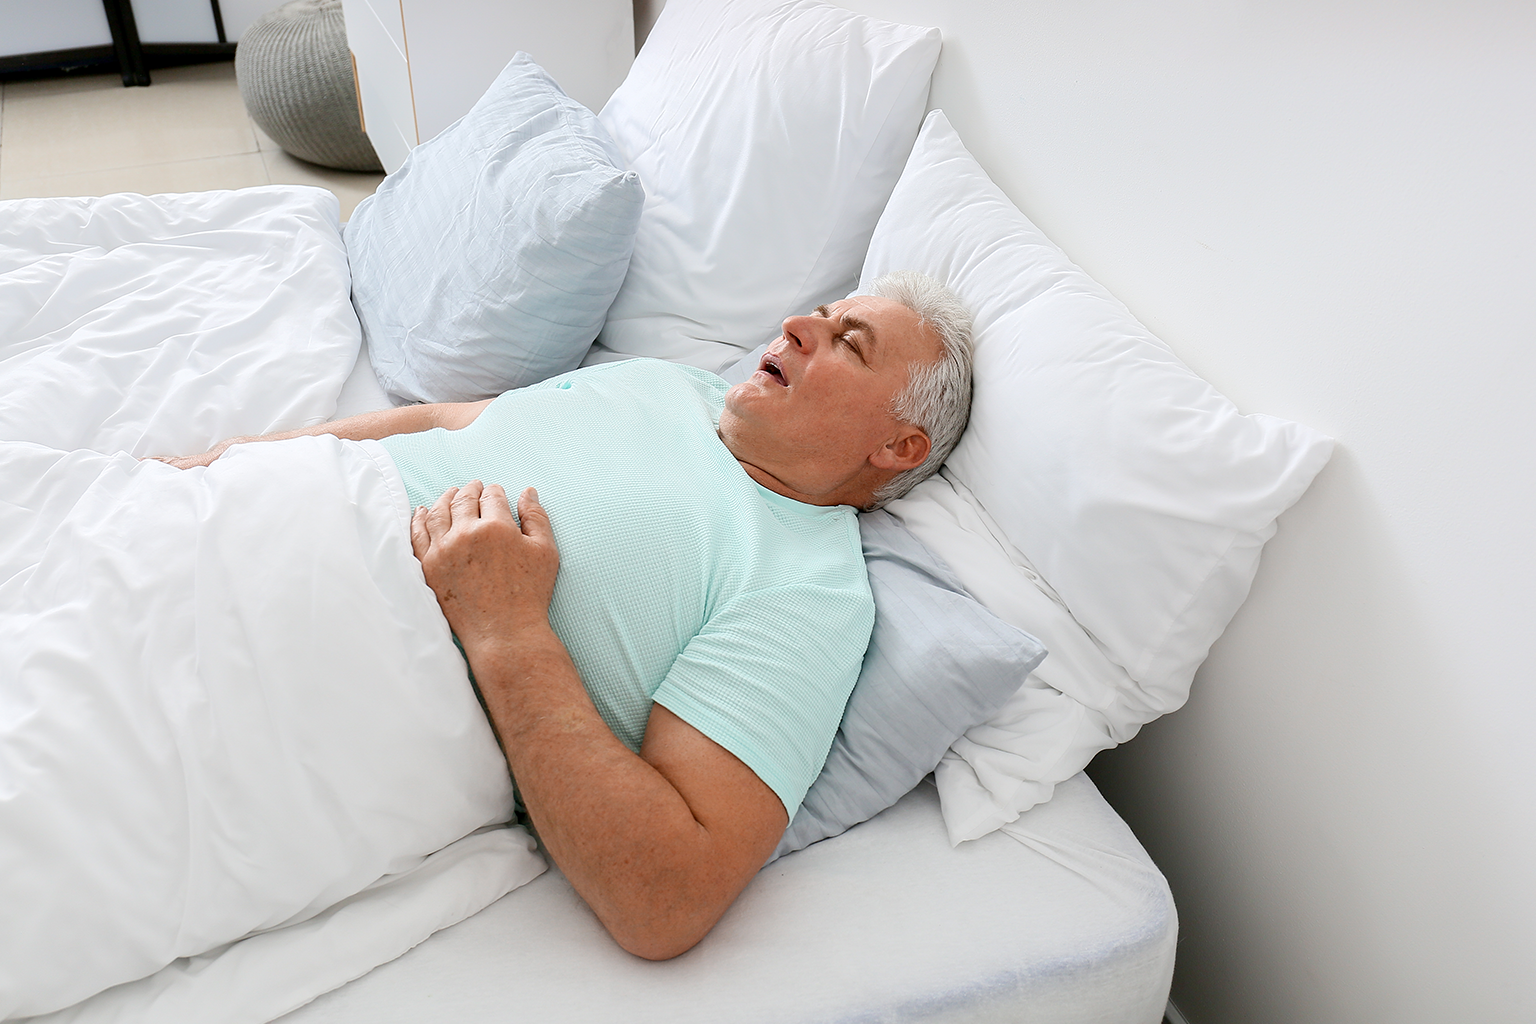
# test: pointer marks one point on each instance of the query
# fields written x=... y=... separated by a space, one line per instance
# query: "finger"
x=494 y=504
x=467 y=504
x=421 y=540
x=440 y=515
x=534 y=519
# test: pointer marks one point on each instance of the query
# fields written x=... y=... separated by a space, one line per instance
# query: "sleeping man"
x=667 y=631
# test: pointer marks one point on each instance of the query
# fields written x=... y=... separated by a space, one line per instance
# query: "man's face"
x=819 y=406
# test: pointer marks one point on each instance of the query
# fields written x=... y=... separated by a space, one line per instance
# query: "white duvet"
x=240 y=758
x=162 y=324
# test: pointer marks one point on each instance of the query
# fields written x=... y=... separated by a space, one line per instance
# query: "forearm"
x=368 y=426
x=659 y=843
x=622 y=833
x=405 y=419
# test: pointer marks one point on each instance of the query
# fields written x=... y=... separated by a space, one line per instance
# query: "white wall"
x=1328 y=208
x=29 y=27
x=239 y=14
x=175 y=21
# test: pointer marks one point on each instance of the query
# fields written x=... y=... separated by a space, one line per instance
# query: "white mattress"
x=361 y=391
x=1060 y=918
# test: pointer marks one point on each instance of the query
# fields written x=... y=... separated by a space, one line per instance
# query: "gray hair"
x=937 y=397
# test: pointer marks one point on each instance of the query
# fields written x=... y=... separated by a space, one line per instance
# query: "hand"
x=493 y=577
x=207 y=458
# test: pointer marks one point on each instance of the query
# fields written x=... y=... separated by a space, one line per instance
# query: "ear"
x=905 y=451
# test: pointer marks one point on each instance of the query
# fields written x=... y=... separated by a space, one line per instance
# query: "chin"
x=743 y=392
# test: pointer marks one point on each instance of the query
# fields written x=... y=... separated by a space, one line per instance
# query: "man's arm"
x=368 y=426
x=659 y=844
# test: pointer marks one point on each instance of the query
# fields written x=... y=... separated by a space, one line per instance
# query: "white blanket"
x=233 y=725
x=159 y=325
x=229 y=703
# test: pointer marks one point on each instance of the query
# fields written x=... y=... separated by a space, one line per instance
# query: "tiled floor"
x=187 y=132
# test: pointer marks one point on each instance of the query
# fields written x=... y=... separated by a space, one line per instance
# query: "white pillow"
x=1097 y=462
x=1137 y=490
x=768 y=136
x=1075 y=704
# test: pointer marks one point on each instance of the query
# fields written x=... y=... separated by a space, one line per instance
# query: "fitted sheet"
x=1060 y=918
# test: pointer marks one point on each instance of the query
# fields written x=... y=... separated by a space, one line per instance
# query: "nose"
x=807 y=332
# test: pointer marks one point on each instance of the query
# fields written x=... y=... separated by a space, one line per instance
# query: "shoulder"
x=810 y=543
x=650 y=369
x=814 y=576
x=651 y=380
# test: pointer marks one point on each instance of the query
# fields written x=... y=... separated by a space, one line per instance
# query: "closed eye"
x=854 y=327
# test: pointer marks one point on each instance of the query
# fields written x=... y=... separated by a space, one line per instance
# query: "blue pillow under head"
x=938 y=663
x=489 y=259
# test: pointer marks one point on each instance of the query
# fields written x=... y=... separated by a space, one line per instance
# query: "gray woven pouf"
x=295 y=76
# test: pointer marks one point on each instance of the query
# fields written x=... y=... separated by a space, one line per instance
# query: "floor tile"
x=236 y=171
x=190 y=113
x=263 y=140
x=65 y=84
x=351 y=187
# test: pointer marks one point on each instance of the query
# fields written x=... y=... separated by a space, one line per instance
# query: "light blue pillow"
x=938 y=663
x=489 y=259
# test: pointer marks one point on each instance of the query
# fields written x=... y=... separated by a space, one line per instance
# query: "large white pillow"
x=768 y=136
x=1137 y=490
x=1109 y=475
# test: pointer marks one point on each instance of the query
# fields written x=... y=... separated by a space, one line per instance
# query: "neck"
x=765 y=465
x=851 y=492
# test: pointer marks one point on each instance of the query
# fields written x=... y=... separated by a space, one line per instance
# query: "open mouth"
x=770 y=365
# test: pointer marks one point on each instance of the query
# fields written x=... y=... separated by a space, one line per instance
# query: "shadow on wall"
x=646 y=12
x=1278 y=799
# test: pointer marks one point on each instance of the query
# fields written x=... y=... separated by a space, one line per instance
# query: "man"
x=664 y=703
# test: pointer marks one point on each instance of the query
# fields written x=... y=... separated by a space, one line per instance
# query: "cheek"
x=855 y=420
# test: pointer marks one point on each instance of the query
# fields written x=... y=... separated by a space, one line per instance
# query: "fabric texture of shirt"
x=682 y=581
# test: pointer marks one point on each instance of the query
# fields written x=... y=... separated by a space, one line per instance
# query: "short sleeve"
x=768 y=677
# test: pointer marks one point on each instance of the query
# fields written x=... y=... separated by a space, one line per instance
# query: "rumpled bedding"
x=239 y=752
x=159 y=325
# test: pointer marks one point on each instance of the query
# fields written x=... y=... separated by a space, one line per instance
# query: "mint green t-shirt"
x=682 y=581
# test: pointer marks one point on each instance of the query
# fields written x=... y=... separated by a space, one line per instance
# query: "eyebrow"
x=858 y=323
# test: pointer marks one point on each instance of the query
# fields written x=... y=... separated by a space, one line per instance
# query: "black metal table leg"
x=125 y=41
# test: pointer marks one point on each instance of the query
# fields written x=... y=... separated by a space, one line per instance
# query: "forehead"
x=900 y=334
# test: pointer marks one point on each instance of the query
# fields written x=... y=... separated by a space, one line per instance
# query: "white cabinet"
x=421 y=64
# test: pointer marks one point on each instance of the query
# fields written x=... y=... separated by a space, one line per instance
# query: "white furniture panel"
x=27 y=26
x=383 y=79
x=422 y=63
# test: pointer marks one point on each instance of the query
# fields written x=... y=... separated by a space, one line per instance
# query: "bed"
x=1105 y=500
